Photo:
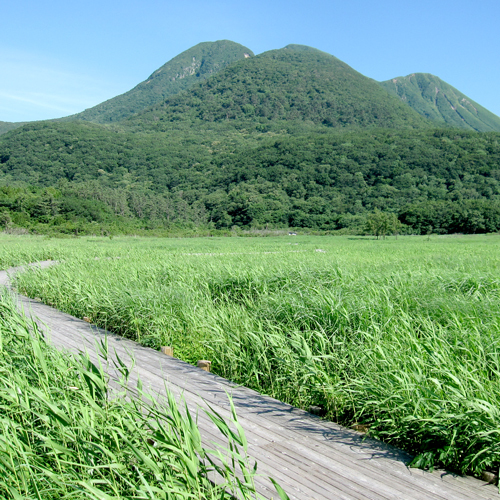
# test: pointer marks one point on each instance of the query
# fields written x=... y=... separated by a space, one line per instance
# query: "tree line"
x=444 y=179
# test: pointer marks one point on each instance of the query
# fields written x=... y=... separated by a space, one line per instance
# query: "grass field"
x=400 y=337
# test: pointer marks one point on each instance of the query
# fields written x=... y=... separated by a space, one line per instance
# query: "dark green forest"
x=292 y=138
x=292 y=84
x=433 y=180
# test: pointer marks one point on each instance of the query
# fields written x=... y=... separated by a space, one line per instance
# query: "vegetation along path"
x=309 y=457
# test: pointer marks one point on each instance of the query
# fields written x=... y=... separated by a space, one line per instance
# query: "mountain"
x=439 y=101
x=85 y=178
x=289 y=138
x=6 y=126
x=180 y=73
x=294 y=84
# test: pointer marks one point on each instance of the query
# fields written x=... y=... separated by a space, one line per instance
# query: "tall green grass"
x=65 y=434
x=16 y=250
x=399 y=336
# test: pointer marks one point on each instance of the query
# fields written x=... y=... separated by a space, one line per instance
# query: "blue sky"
x=58 y=58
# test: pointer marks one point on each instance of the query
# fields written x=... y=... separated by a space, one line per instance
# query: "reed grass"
x=65 y=434
x=398 y=336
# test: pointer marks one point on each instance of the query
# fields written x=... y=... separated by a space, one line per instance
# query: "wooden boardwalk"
x=310 y=458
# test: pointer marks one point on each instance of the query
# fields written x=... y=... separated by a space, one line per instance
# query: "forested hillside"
x=289 y=138
x=439 y=101
x=180 y=73
x=439 y=180
x=296 y=83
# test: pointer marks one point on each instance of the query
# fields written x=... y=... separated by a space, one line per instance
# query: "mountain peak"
x=302 y=48
x=296 y=83
x=180 y=73
x=433 y=98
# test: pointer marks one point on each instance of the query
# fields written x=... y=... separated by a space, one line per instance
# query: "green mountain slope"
x=290 y=138
x=6 y=126
x=295 y=83
x=446 y=180
x=180 y=73
x=439 y=101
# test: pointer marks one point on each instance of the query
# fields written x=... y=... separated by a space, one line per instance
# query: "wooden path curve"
x=309 y=457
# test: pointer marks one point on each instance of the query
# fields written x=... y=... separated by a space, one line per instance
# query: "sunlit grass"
x=65 y=434
x=399 y=336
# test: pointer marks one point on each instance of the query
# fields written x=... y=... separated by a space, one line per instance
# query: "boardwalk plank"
x=195 y=375
x=309 y=457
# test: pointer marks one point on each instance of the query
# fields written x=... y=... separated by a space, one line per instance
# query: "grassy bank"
x=398 y=336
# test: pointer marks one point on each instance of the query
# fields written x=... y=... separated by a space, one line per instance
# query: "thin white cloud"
x=36 y=87
x=43 y=102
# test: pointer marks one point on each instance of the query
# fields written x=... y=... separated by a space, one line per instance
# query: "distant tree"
x=380 y=224
x=5 y=219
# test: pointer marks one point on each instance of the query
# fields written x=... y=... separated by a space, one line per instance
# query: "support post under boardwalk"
x=167 y=349
x=204 y=364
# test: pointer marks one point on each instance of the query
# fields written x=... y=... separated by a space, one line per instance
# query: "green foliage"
x=328 y=180
x=465 y=216
x=289 y=84
x=381 y=224
x=439 y=101
x=66 y=434
x=5 y=219
x=180 y=73
x=401 y=336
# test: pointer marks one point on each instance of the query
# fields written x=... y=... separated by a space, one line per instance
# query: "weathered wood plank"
x=151 y=356
x=309 y=457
